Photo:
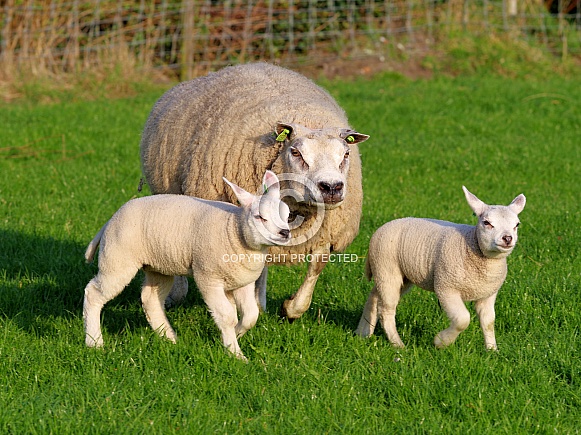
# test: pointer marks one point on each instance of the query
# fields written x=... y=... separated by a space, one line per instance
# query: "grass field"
x=65 y=168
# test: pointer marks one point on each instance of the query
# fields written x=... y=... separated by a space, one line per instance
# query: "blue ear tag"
x=350 y=139
x=282 y=136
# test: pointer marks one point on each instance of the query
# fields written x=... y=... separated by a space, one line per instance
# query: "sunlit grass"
x=65 y=168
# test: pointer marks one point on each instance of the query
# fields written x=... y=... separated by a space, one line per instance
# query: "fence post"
x=512 y=8
x=6 y=56
x=187 y=63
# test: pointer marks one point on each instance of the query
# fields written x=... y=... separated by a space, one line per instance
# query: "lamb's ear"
x=270 y=183
x=518 y=204
x=244 y=198
x=351 y=136
x=475 y=204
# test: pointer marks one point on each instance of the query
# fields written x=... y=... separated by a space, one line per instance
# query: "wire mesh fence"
x=190 y=37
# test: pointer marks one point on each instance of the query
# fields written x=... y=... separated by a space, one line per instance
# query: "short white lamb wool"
x=458 y=262
x=167 y=235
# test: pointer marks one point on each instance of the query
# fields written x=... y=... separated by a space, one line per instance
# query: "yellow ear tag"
x=282 y=136
x=350 y=139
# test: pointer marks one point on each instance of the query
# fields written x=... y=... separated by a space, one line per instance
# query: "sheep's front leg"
x=224 y=315
x=247 y=307
x=297 y=304
x=485 y=310
x=178 y=293
x=459 y=317
x=261 y=290
x=155 y=289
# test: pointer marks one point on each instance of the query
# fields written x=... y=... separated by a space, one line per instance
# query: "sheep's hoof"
x=284 y=313
x=171 y=303
x=178 y=293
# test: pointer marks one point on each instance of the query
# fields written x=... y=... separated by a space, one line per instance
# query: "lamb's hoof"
x=439 y=343
x=363 y=333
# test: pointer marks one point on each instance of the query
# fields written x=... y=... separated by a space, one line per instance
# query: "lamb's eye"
x=487 y=224
x=346 y=156
x=295 y=152
x=516 y=226
x=260 y=218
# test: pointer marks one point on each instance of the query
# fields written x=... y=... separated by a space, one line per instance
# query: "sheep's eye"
x=487 y=224
x=295 y=152
x=346 y=156
x=516 y=226
x=260 y=218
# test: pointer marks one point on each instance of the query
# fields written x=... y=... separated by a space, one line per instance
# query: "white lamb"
x=169 y=235
x=458 y=262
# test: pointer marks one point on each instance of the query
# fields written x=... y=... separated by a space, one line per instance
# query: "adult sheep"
x=243 y=120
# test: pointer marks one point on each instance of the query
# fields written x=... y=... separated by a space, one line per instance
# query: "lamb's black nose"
x=507 y=239
x=284 y=233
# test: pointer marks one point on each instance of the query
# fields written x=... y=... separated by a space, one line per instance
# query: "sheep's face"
x=497 y=225
x=264 y=217
x=322 y=158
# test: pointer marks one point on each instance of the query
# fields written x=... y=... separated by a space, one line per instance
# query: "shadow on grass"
x=43 y=278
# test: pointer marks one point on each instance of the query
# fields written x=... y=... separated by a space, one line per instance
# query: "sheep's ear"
x=518 y=204
x=283 y=131
x=244 y=198
x=475 y=204
x=270 y=183
x=352 y=137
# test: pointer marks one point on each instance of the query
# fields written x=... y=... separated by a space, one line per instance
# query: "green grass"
x=65 y=168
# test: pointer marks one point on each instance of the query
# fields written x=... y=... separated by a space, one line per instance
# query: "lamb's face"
x=497 y=231
x=264 y=220
x=268 y=220
x=322 y=158
x=497 y=224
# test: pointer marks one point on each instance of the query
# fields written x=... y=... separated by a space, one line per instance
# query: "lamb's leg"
x=297 y=304
x=224 y=315
x=247 y=307
x=261 y=290
x=485 y=310
x=459 y=317
x=389 y=290
x=100 y=290
x=368 y=319
x=178 y=292
x=155 y=289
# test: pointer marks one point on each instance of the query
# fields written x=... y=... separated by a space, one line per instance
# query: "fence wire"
x=190 y=37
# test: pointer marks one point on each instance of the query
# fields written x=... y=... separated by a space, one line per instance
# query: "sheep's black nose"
x=507 y=239
x=284 y=233
x=330 y=189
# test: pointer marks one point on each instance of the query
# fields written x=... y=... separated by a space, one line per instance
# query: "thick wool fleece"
x=222 y=125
